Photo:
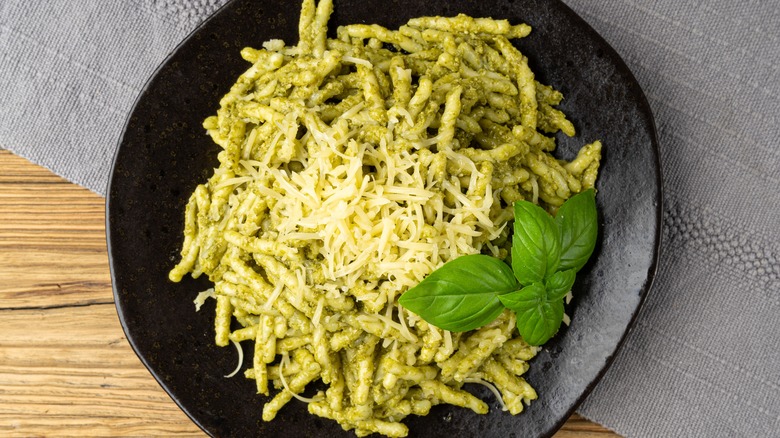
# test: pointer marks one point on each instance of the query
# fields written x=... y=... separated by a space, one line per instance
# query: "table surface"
x=64 y=360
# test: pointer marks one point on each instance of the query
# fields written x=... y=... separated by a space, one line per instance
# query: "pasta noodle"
x=352 y=168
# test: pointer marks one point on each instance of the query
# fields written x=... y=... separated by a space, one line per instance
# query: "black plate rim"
x=111 y=267
x=653 y=268
x=646 y=288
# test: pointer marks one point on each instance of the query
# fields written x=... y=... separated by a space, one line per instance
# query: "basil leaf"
x=577 y=222
x=462 y=294
x=538 y=319
x=559 y=284
x=536 y=244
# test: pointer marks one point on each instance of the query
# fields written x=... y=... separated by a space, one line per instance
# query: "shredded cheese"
x=286 y=362
x=202 y=296
x=240 y=359
x=492 y=389
x=349 y=173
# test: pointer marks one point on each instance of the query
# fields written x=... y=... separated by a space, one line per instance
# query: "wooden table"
x=65 y=365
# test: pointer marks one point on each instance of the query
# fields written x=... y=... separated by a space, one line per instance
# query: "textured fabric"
x=71 y=70
x=704 y=357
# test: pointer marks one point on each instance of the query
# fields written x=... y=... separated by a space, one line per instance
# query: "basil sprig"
x=463 y=293
x=471 y=291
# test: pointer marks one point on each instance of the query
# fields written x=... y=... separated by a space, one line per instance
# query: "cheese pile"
x=352 y=168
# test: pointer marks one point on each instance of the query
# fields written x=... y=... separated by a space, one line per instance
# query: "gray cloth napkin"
x=704 y=356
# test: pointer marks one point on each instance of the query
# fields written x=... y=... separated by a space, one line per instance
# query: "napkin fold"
x=703 y=359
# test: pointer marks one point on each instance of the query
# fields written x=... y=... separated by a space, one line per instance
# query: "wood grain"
x=66 y=368
x=52 y=239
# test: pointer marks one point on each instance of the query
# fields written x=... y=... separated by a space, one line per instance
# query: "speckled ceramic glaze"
x=165 y=153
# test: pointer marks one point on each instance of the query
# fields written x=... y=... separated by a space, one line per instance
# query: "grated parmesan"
x=202 y=296
x=350 y=172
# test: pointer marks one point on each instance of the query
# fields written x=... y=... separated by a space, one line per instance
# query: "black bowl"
x=164 y=153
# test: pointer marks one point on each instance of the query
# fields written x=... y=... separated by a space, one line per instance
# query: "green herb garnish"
x=471 y=291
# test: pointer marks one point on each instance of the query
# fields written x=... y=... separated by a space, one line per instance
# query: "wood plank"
x=66 y=368
x=52 y=239
x=578 y=426
x=70 y=371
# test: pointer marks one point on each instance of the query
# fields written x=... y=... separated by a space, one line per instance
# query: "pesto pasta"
x=350 y=169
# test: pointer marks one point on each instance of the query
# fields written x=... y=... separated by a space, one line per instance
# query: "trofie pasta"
x=352 y=168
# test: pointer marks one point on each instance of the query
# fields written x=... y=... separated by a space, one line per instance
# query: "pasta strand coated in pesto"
x=351 y=168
